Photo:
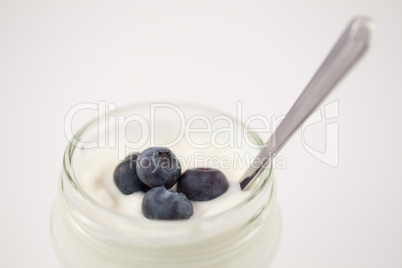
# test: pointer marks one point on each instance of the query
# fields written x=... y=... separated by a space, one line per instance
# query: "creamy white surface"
x=96 y=178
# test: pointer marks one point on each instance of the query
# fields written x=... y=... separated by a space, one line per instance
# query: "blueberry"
x=202 y=184
x=158 y=166
x=145 y=188
x=126 y=178
x=162 y=204
x=133 y=157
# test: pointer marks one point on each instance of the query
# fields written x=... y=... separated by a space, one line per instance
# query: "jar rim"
x=263 y=182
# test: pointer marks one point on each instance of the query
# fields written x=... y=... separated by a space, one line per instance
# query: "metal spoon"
x=347 y=51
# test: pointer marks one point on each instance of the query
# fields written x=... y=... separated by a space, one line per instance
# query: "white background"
x=56 y=54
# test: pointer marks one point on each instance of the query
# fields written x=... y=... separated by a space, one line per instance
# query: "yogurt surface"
x=96 y=178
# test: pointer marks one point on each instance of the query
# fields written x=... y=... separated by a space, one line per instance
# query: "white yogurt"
x=96 y=178
x=94 y=225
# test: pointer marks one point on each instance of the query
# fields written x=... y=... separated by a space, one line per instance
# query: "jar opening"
x=77 y=152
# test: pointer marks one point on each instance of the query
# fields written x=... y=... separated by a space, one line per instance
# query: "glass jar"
x=87 y=233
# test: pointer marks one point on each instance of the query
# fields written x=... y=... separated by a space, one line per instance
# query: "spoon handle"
x=350 y=47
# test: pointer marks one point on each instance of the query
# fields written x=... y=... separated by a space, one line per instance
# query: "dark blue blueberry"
x=145 y=188
x=162 y=204
x=202 y=184
x=133 y=157
x=126 y=178
x=158 y=166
